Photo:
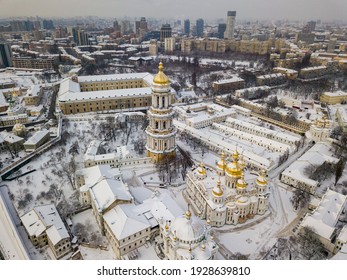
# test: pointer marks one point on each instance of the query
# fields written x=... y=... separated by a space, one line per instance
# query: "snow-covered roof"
x=315 y=156
x=93 y=174
x=92 y=95
x=233 y=79
x=105 y=192
x=68 y=86
x=225 y=146
x=92 y=153
x=9 y=137
x=264 y=130
x=326 y=215
x=14 y=117
x=314 y=68
x=160 y=207
x=252 y=89
x=92 y=149
x=38 y=136
x=287 y=70
x=34 y=90
x=187 y=230
x=3 y=101
x=271 y=76
x=259 y=140
x=124 y=221
x=336 y=93
x=45 y=218
x=147 y=77
x=343 y=235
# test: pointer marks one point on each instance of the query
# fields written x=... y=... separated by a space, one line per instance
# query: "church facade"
x=224 y=197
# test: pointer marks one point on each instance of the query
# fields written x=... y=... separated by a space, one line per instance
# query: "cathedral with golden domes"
x=161 y=132
x=224 y=196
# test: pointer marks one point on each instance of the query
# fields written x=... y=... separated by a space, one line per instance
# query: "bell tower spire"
x=160 y=131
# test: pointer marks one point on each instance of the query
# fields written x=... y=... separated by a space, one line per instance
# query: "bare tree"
x=69 y=170
x=300 y=198
x=310 y=246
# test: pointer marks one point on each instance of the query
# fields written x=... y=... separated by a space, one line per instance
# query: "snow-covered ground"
x=255 y=236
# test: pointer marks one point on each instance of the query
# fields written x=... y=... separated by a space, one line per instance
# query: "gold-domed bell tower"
x=160 y=131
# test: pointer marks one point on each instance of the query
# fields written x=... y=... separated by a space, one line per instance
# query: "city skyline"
x=262 y=9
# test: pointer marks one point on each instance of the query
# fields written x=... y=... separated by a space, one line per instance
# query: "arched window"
x=156 y=125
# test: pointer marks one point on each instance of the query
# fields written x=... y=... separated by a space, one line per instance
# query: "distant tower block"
x=229 y=32
x=161 y=132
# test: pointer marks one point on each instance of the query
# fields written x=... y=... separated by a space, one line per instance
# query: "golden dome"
x=160 y=77
x=261 y=180
x=188 y=214
x=217 y=191
x=201 y=169
x=234 y=169
x=241 y=183
x=203 y=247
x=221 y=163
x=18 y=127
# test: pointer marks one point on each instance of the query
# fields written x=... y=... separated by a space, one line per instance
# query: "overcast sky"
x=180 y=9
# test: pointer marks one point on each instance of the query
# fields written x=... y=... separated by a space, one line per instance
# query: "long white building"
x=217 y=144
x=263 y=131
x=266 y=143
x=295 y=175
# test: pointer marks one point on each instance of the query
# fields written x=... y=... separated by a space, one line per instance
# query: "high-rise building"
x=5 y=55
x=141 y=27
x=47 y=24
x=165 y=32
x=28 y=25
x=125 y=27
x=116 y=26
x=309 y=27
x=161 y=132
x=230 y=26
x=80 y=37
x=187 y=27
x=221 y=30
x=200 y=27
x=170 y=44
x=60 y=32
x=143 y=24
x=17 y=25
x=153 y=47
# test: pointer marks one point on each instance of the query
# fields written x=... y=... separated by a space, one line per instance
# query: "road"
x=279 y=216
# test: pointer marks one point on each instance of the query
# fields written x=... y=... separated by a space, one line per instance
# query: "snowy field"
x=49 y=183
